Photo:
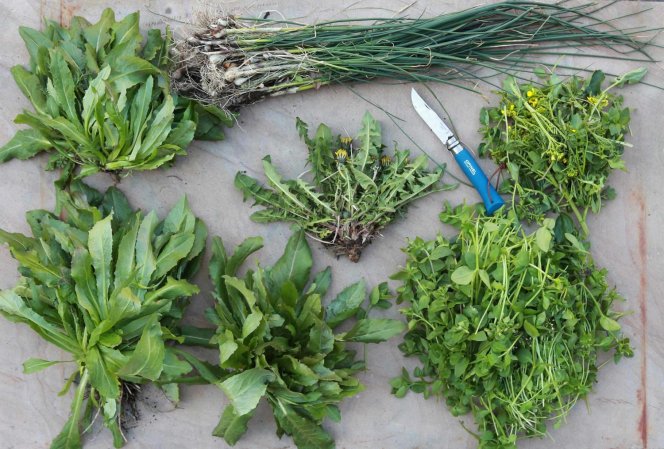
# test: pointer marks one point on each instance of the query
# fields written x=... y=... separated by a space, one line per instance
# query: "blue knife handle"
x=492 y=201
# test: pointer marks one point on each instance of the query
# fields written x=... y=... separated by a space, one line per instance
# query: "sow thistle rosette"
x=277 y=341
x=106 y=285
x=357 y=190
x=102 y=99
x=559 y=140
x=508 y=325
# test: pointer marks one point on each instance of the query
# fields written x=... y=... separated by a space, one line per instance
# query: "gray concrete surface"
x=625 y=408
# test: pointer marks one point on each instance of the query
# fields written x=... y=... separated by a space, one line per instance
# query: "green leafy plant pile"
x=507 y=325
x=559 y=141
x=358 y=189
x=278 y=341
x=102 y=99
x=106 y=285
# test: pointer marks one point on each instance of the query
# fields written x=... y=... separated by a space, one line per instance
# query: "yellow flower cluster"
x=533 y=97
x=510 y=110
x=596 y=101
x=554 y=155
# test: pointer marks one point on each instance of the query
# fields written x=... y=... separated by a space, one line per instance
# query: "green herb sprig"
x=559 y=141
x=102 y=99
x=106 y=285
x=278 y=341
x=506 y=325
x=357 y=191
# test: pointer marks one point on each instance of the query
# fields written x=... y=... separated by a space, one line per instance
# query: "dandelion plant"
x=357 y=190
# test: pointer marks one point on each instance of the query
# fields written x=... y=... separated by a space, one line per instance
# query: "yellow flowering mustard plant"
x=559 y=143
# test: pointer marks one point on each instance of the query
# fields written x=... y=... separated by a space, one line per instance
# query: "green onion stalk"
x=231 y=61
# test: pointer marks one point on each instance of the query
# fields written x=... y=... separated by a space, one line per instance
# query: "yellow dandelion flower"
x=346 y=140
x=385 y=161
x=341 y=155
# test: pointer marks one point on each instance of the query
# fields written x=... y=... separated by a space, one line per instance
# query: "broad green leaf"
x=158 y=130
x=146 y=263
x=128 y=71
x=34 y=365
x=543 y=238
x=321 y=339
x=530 y=329
x=123 y=304
x=85 y=285
x=25 y=144
x=147 y=360
x=245 y=389
x=244 y=250
x=153 y=45
x=174 y=367
x=609 y=324
x=374 y=330
x=100 y=378
x=173 y=289
x=98 y=35
x=100 y=243
x=631 y=77
x=295 y=264
x=29 y=85
x=34 y=40
x=232 y=426
x=95 y=93
x=227 y=347
x=63 y=84
x=176 y=250
x=124 y=263
x=15 y=308
x=306 y=433
x=463 y=275
x=346 y=304
x=251 y=323
x=139 y=110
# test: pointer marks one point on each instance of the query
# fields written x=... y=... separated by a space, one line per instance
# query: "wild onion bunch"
x=357 y=190
x=231 y=61
x=106 y=285
x=507 y=325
